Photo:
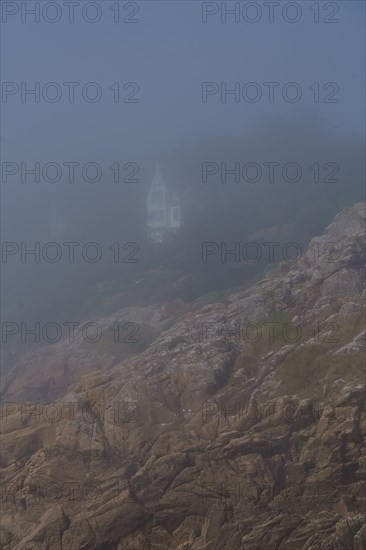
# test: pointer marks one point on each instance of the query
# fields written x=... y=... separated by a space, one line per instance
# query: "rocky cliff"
x=242 y=426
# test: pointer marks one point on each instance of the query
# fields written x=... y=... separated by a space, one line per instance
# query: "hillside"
x=241 y=426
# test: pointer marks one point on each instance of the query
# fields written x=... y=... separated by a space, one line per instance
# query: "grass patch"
x=268 y=335
x=349 y=328
x=308 y=368
x=216 y=296
x=131 y=340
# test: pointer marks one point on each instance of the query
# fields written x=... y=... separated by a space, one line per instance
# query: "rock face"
x=242 y=426
x=44 y=373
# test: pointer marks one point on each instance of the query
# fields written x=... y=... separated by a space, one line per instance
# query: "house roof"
x=172 y=187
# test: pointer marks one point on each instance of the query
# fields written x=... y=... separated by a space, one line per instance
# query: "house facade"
x=163 y=209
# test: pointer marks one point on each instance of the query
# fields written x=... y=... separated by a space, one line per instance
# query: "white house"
x=163 y=209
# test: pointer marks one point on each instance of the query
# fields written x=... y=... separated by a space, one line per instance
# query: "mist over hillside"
x=182 y=261
x=224 y=202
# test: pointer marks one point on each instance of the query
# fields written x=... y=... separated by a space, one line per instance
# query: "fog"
x=191 y=86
